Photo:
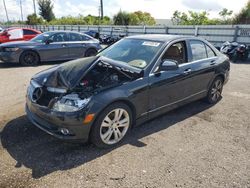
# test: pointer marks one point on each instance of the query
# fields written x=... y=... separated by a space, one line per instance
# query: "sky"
x=159 y=9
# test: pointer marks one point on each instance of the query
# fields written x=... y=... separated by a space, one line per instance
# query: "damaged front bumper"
x=66 y=126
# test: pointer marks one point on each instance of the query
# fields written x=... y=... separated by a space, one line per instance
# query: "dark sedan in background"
x=50 y=46
x=136 y=79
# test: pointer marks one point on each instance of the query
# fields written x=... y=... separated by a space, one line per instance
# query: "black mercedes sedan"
x=101 y=98
x=50 y=46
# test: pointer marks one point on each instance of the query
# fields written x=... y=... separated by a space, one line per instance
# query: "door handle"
x=187 y=71
x=212 y=62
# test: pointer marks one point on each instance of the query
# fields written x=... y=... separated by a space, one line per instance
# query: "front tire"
x=112 y=125
x=29 y=58
x=214 y=93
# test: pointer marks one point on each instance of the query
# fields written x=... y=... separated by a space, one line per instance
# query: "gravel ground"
x=194 y=146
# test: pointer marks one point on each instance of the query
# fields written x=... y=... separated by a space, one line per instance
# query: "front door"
x=57 y=49
x=167 y=88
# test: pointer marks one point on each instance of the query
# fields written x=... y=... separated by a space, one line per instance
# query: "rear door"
x=28 y=34
x=202 y=64
x=57 y=49
x=77 y=45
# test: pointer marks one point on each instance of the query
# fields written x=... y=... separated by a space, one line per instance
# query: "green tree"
x=105 y=21
x=193 y=18
x=33 y=19
x=244 y=16
x=46 y=10
x=144 y=18
x=180 y=18
x=224 y=13
x=121 y=18
x=135 y=18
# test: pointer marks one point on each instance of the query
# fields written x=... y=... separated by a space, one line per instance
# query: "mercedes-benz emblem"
x=37 y=93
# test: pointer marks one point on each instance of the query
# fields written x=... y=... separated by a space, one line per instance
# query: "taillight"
x=5 y=34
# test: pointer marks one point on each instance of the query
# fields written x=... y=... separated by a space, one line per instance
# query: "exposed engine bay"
x=100 y=77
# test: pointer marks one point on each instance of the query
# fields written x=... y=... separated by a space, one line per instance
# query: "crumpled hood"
x=68 y=75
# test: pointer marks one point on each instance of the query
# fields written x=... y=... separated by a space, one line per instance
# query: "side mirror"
x=48 y=41
x=168 y=64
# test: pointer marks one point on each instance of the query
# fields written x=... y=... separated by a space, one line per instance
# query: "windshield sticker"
x=148 y=43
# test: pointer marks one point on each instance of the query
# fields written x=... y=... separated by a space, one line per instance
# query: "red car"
x=17 y=34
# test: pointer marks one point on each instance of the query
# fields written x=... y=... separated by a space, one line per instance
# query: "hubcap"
x=114 y=126
x=216 y=90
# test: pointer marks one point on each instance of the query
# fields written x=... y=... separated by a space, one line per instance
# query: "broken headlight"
x=70 y=103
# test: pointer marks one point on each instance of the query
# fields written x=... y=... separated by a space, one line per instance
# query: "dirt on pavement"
x=197 y=145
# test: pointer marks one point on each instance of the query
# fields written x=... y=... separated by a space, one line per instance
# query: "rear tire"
x=29 y=58
x=90 y=52
x=111 y=126
x=214 y=93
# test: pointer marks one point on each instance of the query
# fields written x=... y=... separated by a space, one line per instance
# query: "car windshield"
x=42 y=37
x=135 y=52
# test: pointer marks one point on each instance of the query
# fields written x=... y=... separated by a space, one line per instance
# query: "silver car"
x=50 y=46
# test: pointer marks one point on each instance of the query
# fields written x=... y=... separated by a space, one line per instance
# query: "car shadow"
x=44 y=154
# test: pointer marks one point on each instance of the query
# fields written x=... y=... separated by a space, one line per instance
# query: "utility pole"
x=21 y=8
x=101 y=2
x=34 y=3
x=6 y=10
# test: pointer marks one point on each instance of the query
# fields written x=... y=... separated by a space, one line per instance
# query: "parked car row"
x=49 y=46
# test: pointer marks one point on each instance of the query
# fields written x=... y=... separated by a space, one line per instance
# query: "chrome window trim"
x=166 y=48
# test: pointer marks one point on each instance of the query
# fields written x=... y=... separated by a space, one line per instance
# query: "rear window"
x=78 y=37
x=29 y=32
x=210 y=52
x=198 y=50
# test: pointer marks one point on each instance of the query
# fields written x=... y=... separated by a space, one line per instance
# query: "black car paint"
x=149 y=96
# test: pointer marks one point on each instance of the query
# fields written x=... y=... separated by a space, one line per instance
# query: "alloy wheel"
x=114 y=126
x=216 y=90
x=29 y=58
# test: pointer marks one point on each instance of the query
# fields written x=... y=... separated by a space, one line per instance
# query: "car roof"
x=159 y=37
x=62 y=31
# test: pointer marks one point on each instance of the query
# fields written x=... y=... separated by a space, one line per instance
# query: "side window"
x=85 y=38
x=210 y=52
x=59 y=37
x=29 y=32
x=177 y=52
x=74 y=37
x=198 y=50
